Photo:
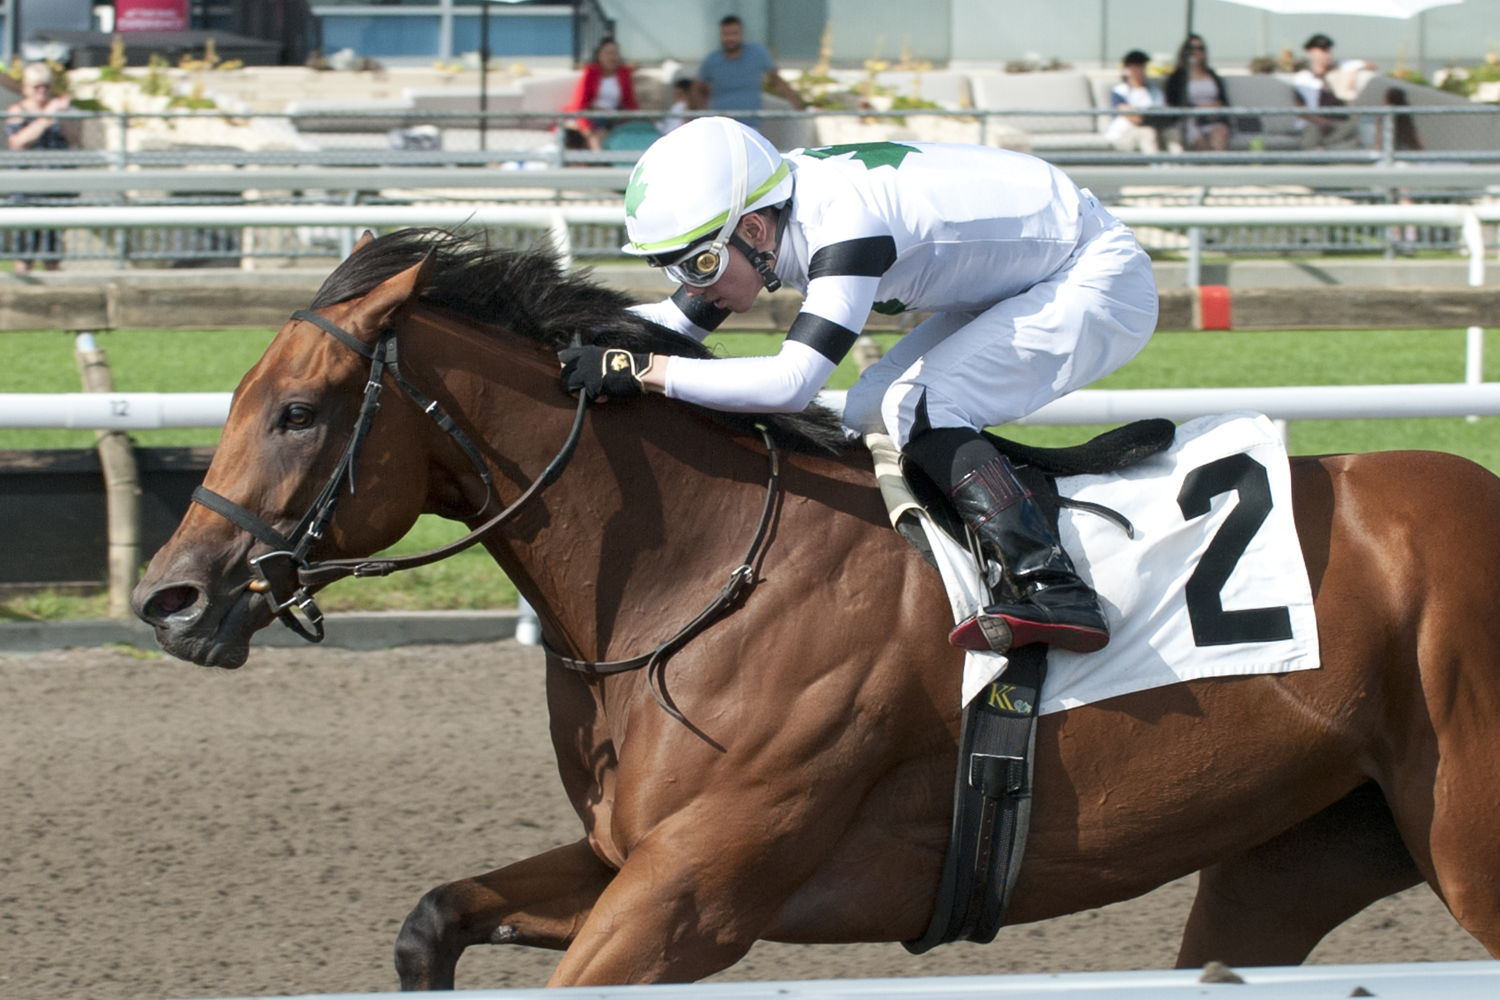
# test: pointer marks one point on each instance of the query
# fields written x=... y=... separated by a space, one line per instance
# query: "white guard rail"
x=128 y=411
x=113 y=411
x=1416 y=981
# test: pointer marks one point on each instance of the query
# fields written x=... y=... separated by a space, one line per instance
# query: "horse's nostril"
x=169 y=601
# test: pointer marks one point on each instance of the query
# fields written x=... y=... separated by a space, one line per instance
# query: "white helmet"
x=698 y=180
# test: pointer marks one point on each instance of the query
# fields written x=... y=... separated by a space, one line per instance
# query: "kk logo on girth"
x=1001 y=697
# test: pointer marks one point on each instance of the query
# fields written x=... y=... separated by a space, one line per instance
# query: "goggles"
x=699 y=267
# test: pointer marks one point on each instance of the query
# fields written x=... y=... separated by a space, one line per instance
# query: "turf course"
x=212 y=361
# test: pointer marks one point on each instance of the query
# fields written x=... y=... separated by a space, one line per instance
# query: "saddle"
x=992 y=787
x=1038 y=468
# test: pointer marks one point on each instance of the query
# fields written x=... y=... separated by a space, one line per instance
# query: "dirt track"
x=176 y=832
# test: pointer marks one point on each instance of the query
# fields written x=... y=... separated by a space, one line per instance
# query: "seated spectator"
x=1405 y=137
x=1131 y=130
x=605 y=85
x=682 y=102
x=31 y=125
x=1194 y=84
x=1318 y=86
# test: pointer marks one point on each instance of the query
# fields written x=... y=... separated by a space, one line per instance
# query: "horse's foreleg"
x=1274 y=903
x=541 y=902
x=695 y=894
x=674 y=913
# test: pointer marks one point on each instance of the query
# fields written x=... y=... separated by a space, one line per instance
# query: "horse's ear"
x=378 y=309
x=365 y=239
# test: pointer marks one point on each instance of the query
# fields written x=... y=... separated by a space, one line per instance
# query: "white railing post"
x=1473 y=235
x=562 y=238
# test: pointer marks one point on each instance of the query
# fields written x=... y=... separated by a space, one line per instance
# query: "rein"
x=739 y=578
x=286 y=573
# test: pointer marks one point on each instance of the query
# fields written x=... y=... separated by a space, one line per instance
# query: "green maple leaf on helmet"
x=871 y=154
x=635 y=193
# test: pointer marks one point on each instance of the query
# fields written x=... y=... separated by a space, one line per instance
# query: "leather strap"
x=991 y=806
x=740 y=578
x=329 y=570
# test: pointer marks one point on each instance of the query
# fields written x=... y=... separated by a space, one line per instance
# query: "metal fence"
x=380 y=169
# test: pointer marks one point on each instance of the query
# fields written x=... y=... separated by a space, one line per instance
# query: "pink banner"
x=151 y=15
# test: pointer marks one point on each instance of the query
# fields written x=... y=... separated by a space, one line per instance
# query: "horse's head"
x=303 y=436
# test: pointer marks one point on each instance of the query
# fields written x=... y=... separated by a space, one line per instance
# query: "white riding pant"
x=983 y=369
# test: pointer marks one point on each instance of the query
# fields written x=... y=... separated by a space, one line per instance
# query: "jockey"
x=1033 y=290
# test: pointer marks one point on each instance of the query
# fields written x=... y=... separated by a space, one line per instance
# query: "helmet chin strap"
x=762 y=260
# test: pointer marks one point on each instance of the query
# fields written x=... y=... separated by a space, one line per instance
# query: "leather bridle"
x=286 y=574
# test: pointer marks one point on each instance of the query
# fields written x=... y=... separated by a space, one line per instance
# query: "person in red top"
x=604 y=85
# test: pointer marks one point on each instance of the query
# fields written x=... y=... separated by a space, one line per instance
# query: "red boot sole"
x=972 y=635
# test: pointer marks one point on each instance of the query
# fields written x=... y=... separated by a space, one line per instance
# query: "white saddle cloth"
x=1212 y=585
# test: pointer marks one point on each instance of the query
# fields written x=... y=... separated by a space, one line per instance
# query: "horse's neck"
x=656 y=506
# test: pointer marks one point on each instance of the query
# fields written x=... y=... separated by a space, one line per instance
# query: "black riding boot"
x=1055 y=606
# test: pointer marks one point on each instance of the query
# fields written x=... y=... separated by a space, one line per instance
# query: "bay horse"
x=801 y=791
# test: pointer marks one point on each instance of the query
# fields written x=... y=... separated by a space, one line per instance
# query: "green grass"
x=140 y=361
x=213 y=361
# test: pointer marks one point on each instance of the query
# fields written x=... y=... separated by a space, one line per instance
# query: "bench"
x=1067 y=92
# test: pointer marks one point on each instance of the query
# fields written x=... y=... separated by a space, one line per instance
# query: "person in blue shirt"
x=733 y=76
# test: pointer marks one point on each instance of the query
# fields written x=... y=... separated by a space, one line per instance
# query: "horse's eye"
x=297 y=416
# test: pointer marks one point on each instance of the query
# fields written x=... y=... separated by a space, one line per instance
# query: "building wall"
x=1094 y=31
x=987 y=32
x=1081 y=32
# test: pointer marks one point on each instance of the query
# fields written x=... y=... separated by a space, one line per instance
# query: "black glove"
x=603 y=371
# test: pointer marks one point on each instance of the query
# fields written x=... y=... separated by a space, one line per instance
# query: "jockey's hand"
x=603 y=371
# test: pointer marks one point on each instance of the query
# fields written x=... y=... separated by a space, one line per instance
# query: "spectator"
x=733 y=76
x=682 y=102
x=1194 y=84
x=1130 y=130
x=41 y=132
x=1318 y=85
x=1405 y=137
x=605 y=85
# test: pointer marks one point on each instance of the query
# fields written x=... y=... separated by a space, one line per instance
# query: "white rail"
x=128 y=411
x=1413 y=981
x=113 y=411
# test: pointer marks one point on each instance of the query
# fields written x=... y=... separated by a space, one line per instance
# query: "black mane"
x=529 y=293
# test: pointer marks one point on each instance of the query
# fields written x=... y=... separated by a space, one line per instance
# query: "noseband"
x=286 y=573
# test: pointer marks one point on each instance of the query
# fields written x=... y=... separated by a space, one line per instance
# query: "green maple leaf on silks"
x=890 y=307
x=635 y=193
x=871 y=154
